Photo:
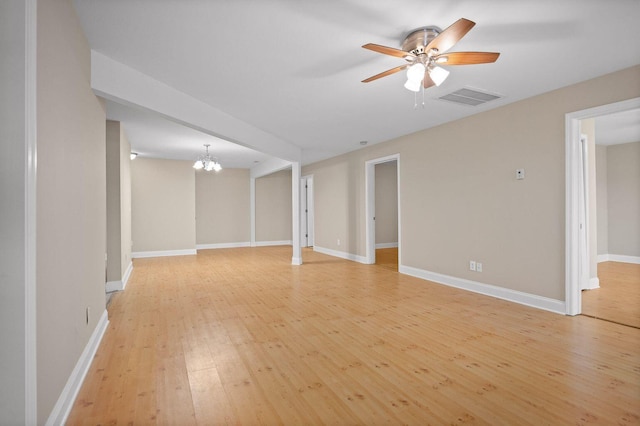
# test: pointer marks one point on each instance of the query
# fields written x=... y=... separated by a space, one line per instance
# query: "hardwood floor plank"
x=618 y=298
x=240 y=336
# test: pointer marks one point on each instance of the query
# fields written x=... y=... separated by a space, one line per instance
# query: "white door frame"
x=584 y=260
x=306 y=218
x=573 y=296
x=370 y=206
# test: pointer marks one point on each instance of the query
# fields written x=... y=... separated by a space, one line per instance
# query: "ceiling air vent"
x=469 y=97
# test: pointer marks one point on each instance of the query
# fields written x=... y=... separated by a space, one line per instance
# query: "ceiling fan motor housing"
x=418 y=39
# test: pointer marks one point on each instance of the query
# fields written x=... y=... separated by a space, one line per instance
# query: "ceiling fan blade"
x=466 y=58
x=386 y=73
x=450 y=36
x=388 y=50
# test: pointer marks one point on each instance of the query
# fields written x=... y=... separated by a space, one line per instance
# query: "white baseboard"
x=594 y=283
x=112 y=286
x=386 y=245
x=163 y=253
x=119 y=285
x=272 y=243
x=61 y=410
x=618 y=258
x=540 y=302
x=341 y=254
x=222 y=245
x=127 y=275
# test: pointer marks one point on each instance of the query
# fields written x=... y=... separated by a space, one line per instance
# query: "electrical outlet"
x=472 y=265
x=478 y=267
x=519 y=174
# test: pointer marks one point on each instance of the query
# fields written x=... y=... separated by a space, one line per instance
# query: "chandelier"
x=207 y=162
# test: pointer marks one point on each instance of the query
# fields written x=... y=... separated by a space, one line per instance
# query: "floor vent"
x=469 y=97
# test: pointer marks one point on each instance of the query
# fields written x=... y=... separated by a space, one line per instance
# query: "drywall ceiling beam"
x=269 y=166
x=120 y=83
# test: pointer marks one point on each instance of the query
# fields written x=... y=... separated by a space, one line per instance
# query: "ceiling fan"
x=425 y=48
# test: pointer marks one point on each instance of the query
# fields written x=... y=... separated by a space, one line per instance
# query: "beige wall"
x=125 y=202
x=273 y=207
x=460 y=200
x=623 y=194
x=13 y=174
x=222 y=207
x=601 y=200
x=162 y=205
x=114 y=237
x=71 y=200
x=118 y=202
x=386 y=202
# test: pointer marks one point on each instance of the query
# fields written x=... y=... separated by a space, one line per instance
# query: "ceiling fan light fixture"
x=438 y=75
x=413 y=85
x=415 y=73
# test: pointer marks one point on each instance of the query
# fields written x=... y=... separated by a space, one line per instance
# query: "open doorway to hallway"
x=386 y=214
x=603 y=203
x=383 y=225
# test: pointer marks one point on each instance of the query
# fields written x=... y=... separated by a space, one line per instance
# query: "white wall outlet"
x=478 y=267
x=338 y=241
x=472 y=265
x=519 y=174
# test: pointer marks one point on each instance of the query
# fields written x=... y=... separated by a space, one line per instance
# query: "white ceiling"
x=622 y=127
x=293 y=68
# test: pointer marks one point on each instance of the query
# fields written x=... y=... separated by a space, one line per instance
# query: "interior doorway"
x=577 y=253
x=306 y=212
x=370 y=209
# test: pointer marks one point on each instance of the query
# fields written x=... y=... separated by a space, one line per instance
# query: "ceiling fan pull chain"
x=422 y=96
x=415 y=100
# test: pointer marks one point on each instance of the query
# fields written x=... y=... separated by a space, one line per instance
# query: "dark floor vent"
x=469 y=97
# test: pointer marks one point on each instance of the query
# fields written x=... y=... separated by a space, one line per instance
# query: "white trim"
x=127 y=275
x=593 y=283
x=296 y=172
x=119 y=285
x=341 y=254
x=112 y=286
x=61 y=410
x=222 y=245
x=386 y=245
x=273 y=243
x=31 y=126
x=573 y=302
x=252 y=211
x=515 y=296
x=618 y=258
x=162 y=253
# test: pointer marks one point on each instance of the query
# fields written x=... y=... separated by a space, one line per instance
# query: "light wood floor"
x=240 y=336
x=387 y=258
x=618 y=298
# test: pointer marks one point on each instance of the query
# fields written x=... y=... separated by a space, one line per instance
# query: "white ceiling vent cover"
x=469 y=97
